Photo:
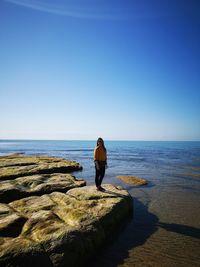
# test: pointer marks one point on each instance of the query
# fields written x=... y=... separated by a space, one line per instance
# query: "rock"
x=61 y=229
x=10 y=222
x=54 y=220
x=133 y=180
x=18 y=165
x=37 y=185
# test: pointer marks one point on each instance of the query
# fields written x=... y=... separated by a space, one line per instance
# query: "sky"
x=119 y=69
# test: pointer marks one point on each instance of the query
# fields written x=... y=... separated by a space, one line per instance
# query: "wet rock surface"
x=133 y=180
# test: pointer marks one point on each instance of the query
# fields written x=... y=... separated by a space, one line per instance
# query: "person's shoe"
x=101 y=189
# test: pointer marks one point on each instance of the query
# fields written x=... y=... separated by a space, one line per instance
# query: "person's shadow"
x=180 y=229
x=134 y=233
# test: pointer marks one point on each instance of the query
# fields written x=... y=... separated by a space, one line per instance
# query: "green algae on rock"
x=62 y=229
x=17 y=165
x=133 y=180
x=54 y=220
x=37 y=185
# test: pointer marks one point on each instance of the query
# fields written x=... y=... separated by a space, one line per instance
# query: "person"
x=100 y=160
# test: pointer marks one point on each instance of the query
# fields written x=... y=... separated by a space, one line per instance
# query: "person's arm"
x=106 y=161
x=96 y=159
x=97 y=164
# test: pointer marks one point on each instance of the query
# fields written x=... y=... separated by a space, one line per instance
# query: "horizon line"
x=118 y=140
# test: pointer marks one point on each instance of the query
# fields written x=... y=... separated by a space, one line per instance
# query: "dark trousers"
x=99 y=175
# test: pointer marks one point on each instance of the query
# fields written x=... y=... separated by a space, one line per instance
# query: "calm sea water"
x=165 y=229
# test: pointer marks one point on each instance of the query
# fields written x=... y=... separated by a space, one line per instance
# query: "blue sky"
x=125 y=70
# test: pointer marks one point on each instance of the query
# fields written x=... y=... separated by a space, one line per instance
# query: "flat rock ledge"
x=133 y=180
x=60 y=229
x=50 y=218
x=22 y=176
x=18 y=165
x=37 y=185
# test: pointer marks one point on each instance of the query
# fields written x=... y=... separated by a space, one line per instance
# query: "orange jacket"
x=100 y=154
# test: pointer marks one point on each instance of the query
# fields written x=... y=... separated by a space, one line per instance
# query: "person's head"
x=100 y=142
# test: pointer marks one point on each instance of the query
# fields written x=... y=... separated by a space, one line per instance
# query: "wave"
x=127 y=158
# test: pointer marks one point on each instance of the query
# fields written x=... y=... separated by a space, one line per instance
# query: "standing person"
x=100 y=160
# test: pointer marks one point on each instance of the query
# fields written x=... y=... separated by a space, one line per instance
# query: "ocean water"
x=165 y=228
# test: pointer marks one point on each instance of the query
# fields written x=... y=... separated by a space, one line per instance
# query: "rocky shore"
x=48 y=217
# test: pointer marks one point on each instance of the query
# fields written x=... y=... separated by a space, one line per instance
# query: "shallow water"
x=165 y=228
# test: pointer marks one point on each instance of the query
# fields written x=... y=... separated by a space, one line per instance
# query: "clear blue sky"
x=118 y=69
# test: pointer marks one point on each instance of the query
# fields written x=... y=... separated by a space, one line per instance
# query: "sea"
x=165 y=227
